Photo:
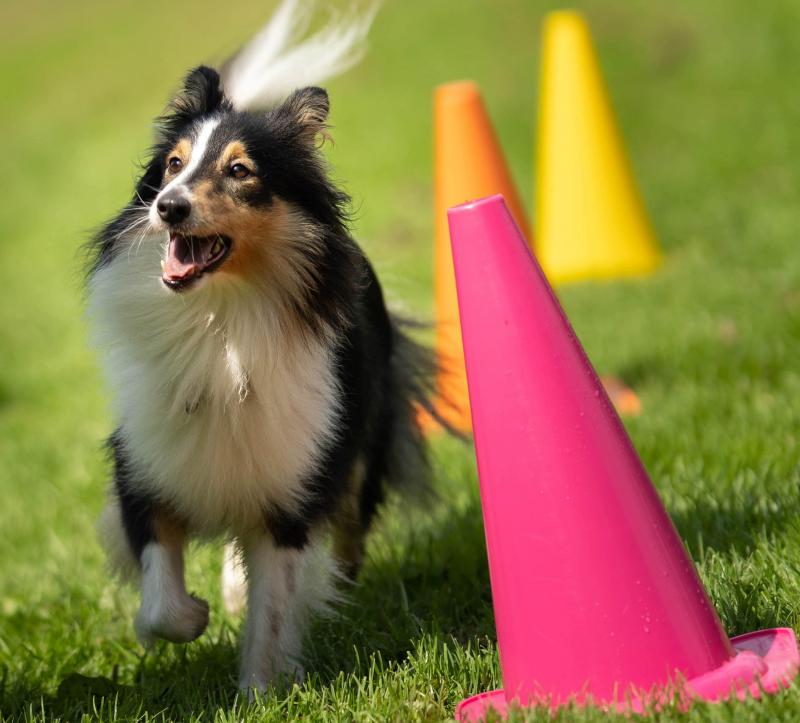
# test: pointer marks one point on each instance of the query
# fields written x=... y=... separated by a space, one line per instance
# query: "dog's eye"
x=174 y=164
x=239 y=171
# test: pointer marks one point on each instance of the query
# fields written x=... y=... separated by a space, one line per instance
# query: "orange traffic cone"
x=468 y=163
x=590 y=220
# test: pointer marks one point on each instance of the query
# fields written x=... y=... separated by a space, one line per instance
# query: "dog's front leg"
x=274 y=629
x=167 y=610
x=154 y=539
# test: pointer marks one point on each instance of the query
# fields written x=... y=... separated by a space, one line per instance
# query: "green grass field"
x=707 y=100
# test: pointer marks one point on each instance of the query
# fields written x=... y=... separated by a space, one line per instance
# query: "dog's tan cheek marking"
x=253 y=230
x=250 y=228
x=277 y=244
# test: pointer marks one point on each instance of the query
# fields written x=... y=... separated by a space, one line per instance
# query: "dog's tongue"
x=186 y=256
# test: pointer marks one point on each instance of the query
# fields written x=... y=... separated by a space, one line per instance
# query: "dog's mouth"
x=189 y=257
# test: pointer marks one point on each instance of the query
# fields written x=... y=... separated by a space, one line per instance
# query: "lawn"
x=706 y=96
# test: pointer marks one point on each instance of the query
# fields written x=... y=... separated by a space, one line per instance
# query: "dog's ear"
x=202 y=93
x=307 y=109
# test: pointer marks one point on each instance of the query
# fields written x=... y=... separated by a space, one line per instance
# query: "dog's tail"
x=413 y=371
x=283 y=56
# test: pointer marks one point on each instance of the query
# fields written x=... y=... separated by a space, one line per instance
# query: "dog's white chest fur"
x=222 y=409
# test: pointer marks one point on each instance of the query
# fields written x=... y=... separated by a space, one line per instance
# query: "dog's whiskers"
x=143 y=202
x=140 y=239
x=136 y=238
x=136 y=222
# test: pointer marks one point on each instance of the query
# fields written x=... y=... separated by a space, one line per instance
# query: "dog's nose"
x=173 y=208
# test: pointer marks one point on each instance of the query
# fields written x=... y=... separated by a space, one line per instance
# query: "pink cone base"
x=766 y=662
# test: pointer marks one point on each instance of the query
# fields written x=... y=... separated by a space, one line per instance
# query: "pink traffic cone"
x=595 y=598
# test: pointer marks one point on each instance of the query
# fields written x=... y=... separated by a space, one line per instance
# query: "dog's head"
x=239 y=192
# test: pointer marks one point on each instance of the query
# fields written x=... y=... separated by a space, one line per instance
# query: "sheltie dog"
x=262 y=392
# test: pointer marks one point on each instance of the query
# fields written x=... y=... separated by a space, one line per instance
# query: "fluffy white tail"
x=278 y=60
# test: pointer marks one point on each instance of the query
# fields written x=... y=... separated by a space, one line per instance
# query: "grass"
x=705 y=94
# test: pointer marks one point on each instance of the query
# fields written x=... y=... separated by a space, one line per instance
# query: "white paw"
x=252 y=685
x=254 y=682
x=179 y=620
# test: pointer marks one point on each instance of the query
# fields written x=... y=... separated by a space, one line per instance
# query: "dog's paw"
x=257 y=683
x=179 y=621
x=252 y=685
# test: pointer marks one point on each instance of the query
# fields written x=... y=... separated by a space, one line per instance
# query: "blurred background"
x=706 y=96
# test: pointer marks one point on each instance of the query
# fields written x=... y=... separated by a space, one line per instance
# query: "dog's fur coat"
x=262 y=392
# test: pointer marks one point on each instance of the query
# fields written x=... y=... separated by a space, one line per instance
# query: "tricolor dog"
x=262 y=392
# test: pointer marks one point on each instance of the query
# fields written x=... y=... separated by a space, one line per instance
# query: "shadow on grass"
x=170 y=683
x=741 y=495
x=438 y=585
x=434 y=583
x=735 y=522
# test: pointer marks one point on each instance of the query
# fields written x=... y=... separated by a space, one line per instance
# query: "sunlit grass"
x=706 y=99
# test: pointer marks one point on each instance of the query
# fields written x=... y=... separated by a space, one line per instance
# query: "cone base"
x=766 y=661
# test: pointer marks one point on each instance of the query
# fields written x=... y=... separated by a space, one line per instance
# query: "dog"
x=262 y=391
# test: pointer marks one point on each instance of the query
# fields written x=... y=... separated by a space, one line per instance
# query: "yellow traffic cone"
x=590 y=220
x=468 y=164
